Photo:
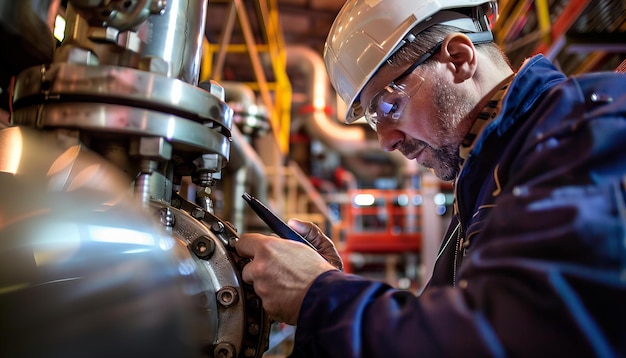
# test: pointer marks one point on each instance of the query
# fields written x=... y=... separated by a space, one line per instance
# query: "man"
x=534 y=262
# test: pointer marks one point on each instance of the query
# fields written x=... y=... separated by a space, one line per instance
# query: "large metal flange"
x=241 y=326
x=122 y=100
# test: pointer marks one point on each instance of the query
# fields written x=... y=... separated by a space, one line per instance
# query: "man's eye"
x=388 y=108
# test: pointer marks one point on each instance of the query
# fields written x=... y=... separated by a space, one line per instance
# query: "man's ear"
x=459 y=55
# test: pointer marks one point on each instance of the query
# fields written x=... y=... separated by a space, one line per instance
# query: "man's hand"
x=315 y=236
x=281 y=270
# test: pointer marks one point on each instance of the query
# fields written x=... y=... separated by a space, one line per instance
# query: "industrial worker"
x=534 y=261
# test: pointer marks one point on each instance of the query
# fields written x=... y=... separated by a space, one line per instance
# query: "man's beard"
x=447 y=163
x=452 y=125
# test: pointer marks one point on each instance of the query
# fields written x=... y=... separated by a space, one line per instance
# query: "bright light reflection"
x=120 y=236
x=439 y=199
x=364 y=199
x=170 y=36
x=403 y=200
x=417 y=200
x=59 y=28
x=166 y=243
x=137 y=251
x=11 y=150
x=177 y=92
x=171 y=126
x=186 y=267
x=404 y=283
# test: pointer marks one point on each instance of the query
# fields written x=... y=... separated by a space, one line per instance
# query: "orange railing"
x=390 y=223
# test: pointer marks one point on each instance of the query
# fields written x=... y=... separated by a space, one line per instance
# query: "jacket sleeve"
x=345 y=316
x=545 y=270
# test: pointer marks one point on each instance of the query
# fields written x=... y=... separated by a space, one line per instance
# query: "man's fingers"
x=316 y=237
x=246 y=274
x=247 y=244
x=309 y=231
x=301 y=227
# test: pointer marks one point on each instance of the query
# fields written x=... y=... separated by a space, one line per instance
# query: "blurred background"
x=289 y=146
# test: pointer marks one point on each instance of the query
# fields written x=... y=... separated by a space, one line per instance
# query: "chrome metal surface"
x=177 y=38
x=66 y=82
x=99 y=254
x=243 y=324
x=121 y=14
x=110 y=118
x=86 y=271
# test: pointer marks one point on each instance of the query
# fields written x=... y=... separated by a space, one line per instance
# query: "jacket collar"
x=535 y=76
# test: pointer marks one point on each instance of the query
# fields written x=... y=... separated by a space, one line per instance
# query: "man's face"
x=432 y=122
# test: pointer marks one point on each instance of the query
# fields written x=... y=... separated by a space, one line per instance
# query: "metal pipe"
x=176 y=37
x=244 y=164
x=305 y=61
x=250 y=174
x=316 y=114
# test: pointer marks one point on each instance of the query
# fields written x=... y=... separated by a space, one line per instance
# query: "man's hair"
x=428 y=38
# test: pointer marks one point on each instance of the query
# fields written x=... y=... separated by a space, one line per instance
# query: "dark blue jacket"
x=537 y=265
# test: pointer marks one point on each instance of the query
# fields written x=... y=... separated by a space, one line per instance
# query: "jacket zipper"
x=459 y=237
x=457 y=212
x=457 y=249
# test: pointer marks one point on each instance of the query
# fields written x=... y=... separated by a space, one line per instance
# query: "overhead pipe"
x=316 y=112
x=318 y=118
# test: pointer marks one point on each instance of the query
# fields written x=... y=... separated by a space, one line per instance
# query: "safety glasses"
x=388 y=104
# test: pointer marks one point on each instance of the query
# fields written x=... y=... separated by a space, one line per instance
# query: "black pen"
x=274 y=222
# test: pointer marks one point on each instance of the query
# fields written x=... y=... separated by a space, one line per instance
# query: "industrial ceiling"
x=578 y=35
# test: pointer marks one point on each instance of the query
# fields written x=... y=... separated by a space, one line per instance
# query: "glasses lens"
x=388 y=104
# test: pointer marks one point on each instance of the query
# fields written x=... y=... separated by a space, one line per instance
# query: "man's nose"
x=389 y=138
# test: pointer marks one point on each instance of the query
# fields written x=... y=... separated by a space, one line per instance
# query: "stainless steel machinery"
x=101 y=252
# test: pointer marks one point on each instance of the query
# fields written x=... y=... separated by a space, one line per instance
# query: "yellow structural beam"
x=513 y=13
x=276 y=96
x=504 y=27
x=281 y=122
x=543 y=18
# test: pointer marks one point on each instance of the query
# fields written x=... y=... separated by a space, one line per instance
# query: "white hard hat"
x=366 y=33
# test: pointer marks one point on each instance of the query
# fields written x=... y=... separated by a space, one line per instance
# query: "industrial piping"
x=317 y=114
